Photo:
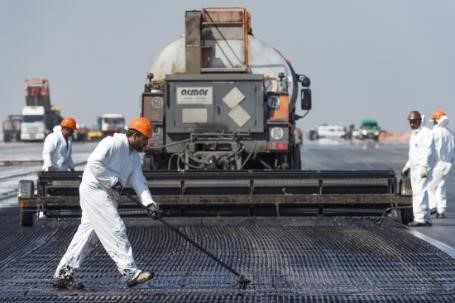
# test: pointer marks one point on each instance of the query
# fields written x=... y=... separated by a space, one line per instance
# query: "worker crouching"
x=114 y=163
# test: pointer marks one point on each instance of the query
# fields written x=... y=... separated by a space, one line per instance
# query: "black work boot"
x=440 y=215
x=143 y=277
x=67 y=283
x=418 y=224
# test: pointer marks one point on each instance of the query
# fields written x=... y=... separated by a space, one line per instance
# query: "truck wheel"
x=147 y=162
x=297 y=161
x=406 y=215
x=313 y=135
x=26 y=218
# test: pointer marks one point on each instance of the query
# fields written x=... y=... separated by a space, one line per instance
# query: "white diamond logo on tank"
x=237 y=113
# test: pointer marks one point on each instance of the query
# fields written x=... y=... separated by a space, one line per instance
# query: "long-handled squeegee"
x=242 y=282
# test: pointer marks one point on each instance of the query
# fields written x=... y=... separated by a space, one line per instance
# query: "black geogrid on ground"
x=350 y=261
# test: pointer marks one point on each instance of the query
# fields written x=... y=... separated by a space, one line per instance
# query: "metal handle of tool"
x=241 y=283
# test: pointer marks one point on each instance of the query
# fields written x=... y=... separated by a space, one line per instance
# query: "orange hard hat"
x=141 y=125
x=437 y=114
x=69 y=122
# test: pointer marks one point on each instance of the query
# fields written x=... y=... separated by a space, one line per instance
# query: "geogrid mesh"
x=347 y=260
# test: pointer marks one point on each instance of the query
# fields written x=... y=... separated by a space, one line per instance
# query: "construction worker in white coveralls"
x=114 y=163
x=445 y=157
x=419 y=166
x=58 y=147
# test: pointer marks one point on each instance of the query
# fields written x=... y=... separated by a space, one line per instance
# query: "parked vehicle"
x=11 y=128
x=331 y=131
x=368 y=129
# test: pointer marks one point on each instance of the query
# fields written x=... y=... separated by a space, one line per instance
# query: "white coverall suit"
x=57 y=151
x=445 y=157
x=421 y=153
x=111 y=161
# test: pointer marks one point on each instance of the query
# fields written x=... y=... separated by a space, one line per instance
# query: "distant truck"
x=368 y=129
x=109 y=124
x=12 y=128
x=39 y=117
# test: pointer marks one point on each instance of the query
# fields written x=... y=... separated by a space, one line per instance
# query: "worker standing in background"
x=445 y=157
x=419 y=165
x=113 y=164
x=58 y=147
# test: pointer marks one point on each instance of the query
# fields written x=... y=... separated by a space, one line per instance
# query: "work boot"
x=143 y=277
x=433 y=211
x=67 y=283
x=440 y=215
x=418 y=224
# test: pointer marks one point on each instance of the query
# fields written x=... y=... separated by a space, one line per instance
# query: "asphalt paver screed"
x=287 y=260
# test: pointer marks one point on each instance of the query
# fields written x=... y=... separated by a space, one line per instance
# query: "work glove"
x=423 y=172
x=153 y=210
x=118 y=187
x=405 y=171
x=446 y=168
x=50 y=168
x=72 y=169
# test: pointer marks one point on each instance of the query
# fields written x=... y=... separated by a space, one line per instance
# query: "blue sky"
x=366 y=59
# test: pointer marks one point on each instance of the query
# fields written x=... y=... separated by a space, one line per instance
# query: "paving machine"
x=223 y=105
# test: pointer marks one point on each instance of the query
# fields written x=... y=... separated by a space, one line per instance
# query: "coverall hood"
x=58 y=131
x=443 y=121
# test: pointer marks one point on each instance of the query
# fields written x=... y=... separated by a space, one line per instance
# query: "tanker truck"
x=221 y=99
x=223 y=108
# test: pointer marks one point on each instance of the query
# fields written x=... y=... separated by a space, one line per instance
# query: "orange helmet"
x=141 y=125
x=437 y=114
x=69 y=122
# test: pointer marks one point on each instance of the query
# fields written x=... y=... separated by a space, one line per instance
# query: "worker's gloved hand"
x=423 y=172
x=118 y=187
x=72 y=169
x=153 y=210
x=50 y=168
x=447 y=169
x=405 y=171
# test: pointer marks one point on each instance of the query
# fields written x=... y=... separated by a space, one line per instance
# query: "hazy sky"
x=366 y=59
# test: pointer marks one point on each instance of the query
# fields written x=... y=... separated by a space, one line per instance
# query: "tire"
x=146 y=165
x=26 y=218
x=406 y=215
x=297 y=162
x=313 y=135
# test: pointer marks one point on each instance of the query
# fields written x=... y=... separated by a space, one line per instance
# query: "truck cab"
x=109 y=124
x=33 y=126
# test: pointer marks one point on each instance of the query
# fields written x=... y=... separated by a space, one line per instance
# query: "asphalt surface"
x=369 y=155
x=309 y=259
